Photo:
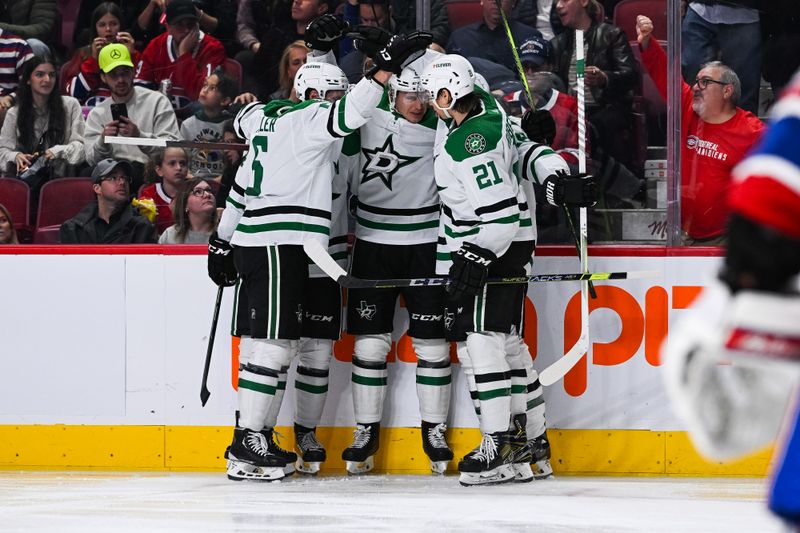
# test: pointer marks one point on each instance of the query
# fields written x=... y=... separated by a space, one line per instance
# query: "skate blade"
x=288 y=469
x=439 y=467
x=239 y=471
x=522 y=473
x=309 y=468
x=542 y=470
x=359 y=467
x=501 y=474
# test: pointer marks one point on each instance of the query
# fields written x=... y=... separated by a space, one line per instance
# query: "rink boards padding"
x=103 y=351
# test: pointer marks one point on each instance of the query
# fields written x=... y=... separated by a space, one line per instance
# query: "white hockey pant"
x=487 y=359
x=433 y=379
x=260 y=382
x=311 y=380
x=369 y=376
x=532 y=395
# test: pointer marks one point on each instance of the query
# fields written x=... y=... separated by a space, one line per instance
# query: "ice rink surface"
x=160 y=502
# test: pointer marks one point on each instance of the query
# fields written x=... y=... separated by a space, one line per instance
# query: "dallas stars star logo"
x=365 y=310
x=383 y=162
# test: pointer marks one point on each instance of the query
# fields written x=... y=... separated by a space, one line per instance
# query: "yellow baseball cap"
x=113 y=56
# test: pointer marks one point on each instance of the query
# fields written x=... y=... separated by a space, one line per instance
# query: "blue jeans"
x=736 y=45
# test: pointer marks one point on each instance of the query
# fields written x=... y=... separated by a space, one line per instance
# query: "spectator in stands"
x=728 y=31
x=171 y=165
x=150 y=115
x=106 y=26
x=14 y=53
x=377 y=13
x=8 y=235
x=33 y=20
x=539 y=14
x=85 y=28
x=264 y=29
x=232 y=161
x=611 y=75
x=215 y=17
x=183 y=54
x=207 y=124
x=195 y=212
x=717 y=135
x=43 y=135
x=403 y=17
x=293 y=57
x=111 y=219
x=487 y=38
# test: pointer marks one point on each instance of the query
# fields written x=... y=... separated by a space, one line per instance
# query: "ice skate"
x=288 y=457
x=310 y=453
x=540 y=457
x=521 y=456
x=435 y=446
x=365 y=444
x=250 y=459
x=488 y=463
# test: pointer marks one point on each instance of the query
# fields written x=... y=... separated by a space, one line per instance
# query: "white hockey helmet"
x=323 y=77
x=452 y=72
x=481 y=82
x=407 y=81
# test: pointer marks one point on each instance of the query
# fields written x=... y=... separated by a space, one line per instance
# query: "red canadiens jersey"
x=164 y=217
x=187 y=73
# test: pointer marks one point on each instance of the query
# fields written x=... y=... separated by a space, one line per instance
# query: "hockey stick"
x=532 y=103
x=320 y=256
x=164 y=143
x=559 y=369
x=204 y=392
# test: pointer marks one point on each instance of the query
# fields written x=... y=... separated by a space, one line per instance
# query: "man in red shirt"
x=183 y=54
x=716 y=134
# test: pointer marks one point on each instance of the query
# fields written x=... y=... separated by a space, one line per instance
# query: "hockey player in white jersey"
x=397 y=217
x=487 y=229
x=282 y=197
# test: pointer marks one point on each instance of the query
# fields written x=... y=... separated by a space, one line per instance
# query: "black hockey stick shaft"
x=351 y=282
x=204 y=392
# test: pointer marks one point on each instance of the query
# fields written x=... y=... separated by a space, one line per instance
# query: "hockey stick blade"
x=320 y=256
x=559 y=369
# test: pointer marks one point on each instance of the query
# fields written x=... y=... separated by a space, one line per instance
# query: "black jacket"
x=608 y=50
x=126 y=227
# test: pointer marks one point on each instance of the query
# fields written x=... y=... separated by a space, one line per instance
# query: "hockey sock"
x=466 y=367
x=434 y=376
x=519 y=376
x=272 y=414
x=311 y=380
x=369 y=388
x=257 y=389
x=492 y=380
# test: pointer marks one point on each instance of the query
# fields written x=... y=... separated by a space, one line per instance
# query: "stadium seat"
x=61 y=199
x=69 y=70
x=625 y=14
x=15 y=195
x=47 y=235
x=234 y=68
x=463 y=12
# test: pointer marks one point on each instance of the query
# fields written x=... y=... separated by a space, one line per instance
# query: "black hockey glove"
x=759 y=258
x=539 y=126
x=323 y=33
x=469 y=270
x=221 y=269
x=402 y=50
x=369 y=40
x=579 y=190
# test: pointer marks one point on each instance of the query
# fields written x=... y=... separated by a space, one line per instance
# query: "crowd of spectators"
x=167 y=69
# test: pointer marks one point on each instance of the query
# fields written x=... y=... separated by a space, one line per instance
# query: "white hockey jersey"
x=283 y=189
x=482 y=201
x=397 y=198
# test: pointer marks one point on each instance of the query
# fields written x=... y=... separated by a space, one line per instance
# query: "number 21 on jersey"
x=486 y=177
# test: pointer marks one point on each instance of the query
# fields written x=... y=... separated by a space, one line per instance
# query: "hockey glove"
x=369 y=40
x=402 y=50
x=579 y=190
x=323 y=33
x=469 y=270
x=221 y=269
x=539 y=126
